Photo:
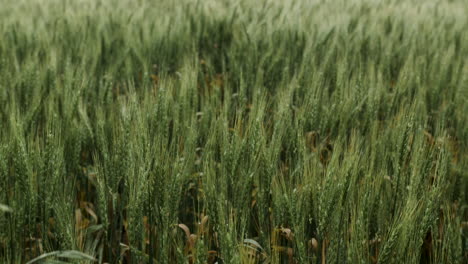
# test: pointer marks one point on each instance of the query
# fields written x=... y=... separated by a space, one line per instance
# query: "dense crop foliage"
x=233 y=131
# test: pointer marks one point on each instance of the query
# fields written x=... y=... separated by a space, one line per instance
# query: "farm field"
x=257 y=132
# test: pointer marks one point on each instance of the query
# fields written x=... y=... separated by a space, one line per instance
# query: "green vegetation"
x=138 y=131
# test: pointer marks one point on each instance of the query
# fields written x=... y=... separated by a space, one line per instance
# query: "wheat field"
x=215 y=131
